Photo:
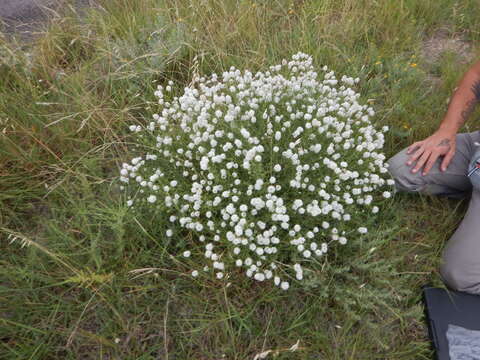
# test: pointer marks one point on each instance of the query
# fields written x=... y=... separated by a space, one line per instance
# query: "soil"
x=24 y=17
x=444 y=40
x=441 y=41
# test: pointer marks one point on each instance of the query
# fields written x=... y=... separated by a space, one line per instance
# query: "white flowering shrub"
x=269 y=171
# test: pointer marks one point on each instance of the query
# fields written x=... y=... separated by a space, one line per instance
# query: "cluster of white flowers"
x=269 y=170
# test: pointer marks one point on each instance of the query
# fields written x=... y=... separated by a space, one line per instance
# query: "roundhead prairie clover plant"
x=268 y=170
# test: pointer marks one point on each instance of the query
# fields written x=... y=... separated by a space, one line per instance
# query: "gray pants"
x=460 y=268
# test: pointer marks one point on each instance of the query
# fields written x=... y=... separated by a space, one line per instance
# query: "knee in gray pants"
x=460 y=268
x=452 y=183
x=453 y=276
x=404 y=179
x=459 y=278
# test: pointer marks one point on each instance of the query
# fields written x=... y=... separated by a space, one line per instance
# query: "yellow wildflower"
x=413 y=64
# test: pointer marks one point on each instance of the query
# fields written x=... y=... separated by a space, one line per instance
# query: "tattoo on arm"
x=444 y=142
x=471 y=103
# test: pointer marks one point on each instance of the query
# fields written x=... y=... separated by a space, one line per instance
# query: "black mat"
x=444 y=307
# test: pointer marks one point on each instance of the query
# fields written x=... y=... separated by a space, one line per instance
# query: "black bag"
x=444 y=307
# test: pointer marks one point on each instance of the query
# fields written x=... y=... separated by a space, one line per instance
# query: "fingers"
x=415 y=155
x=447 y=159
x=421 y=161
x=413 y=146
x=431 y=160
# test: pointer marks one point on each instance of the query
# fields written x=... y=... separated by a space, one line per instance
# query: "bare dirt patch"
x=444 y=40
x=24 y=17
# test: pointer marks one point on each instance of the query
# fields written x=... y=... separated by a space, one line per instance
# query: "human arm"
x=442 y=141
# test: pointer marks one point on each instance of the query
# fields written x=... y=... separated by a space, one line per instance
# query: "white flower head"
x=152 y=199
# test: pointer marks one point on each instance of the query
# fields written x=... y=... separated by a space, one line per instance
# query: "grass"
x=95 y=283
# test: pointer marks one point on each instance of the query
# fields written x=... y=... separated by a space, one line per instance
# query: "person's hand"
x=428 y=150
